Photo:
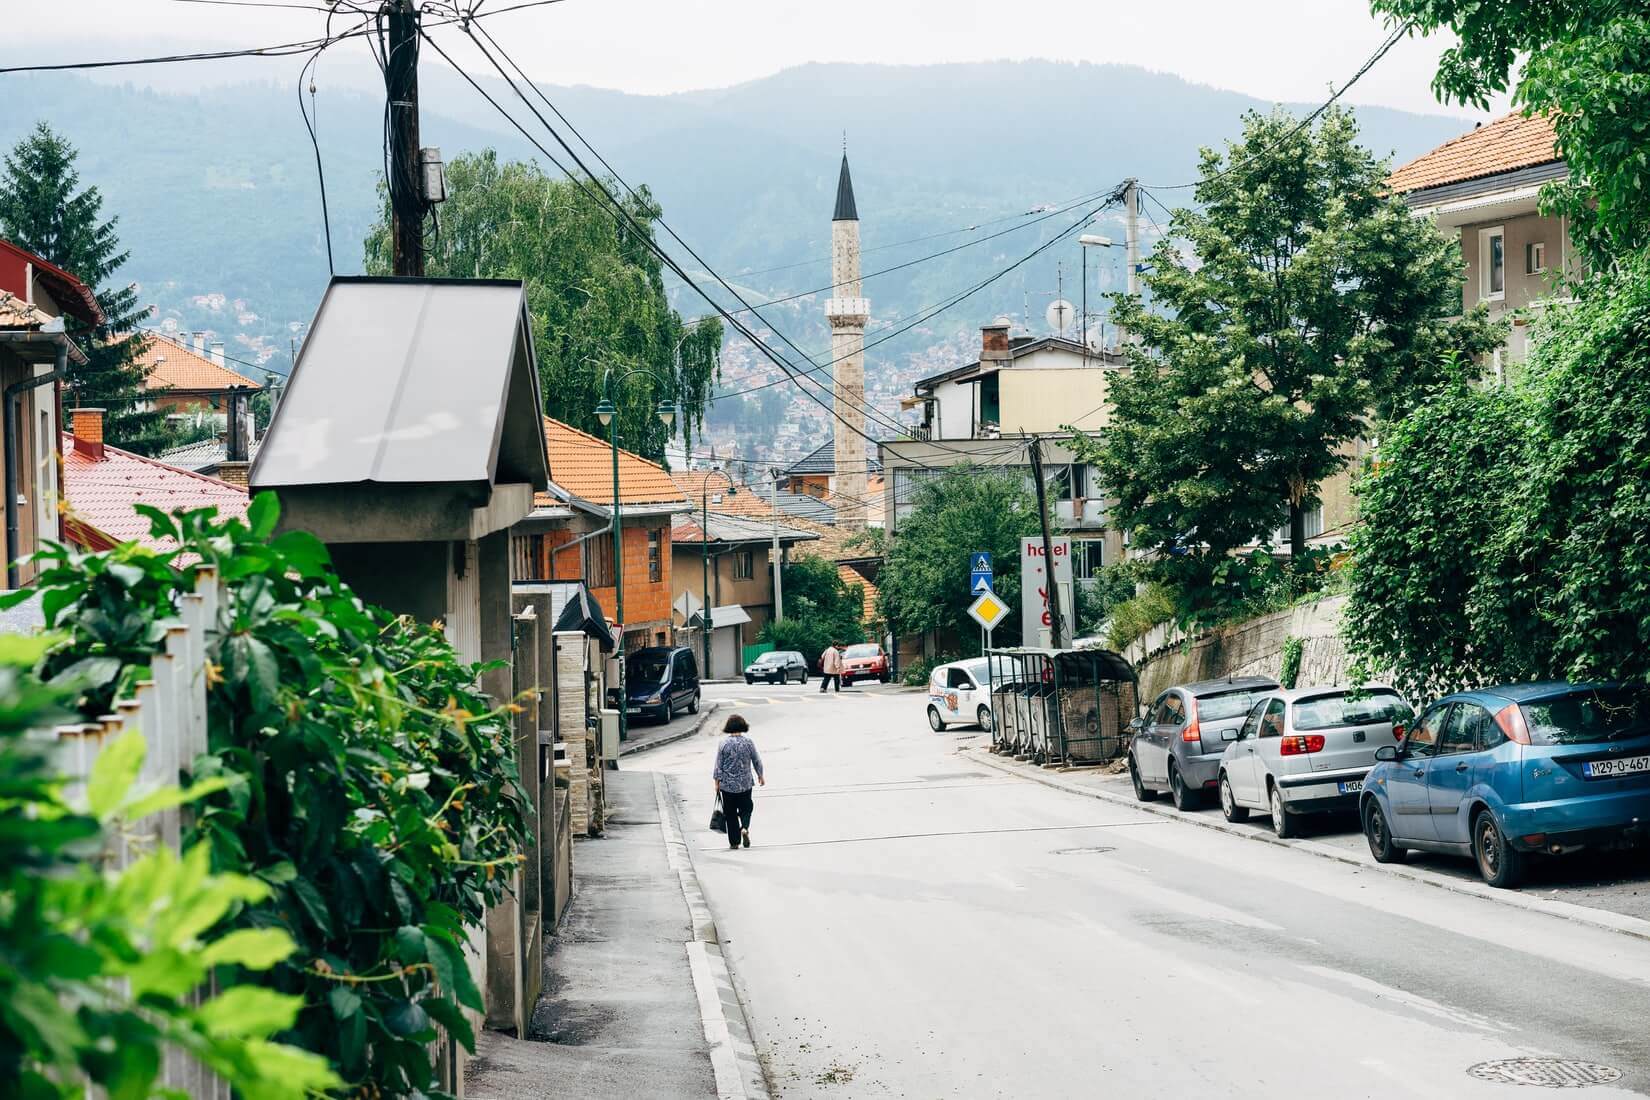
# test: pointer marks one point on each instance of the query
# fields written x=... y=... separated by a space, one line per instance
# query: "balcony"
x=847 y=311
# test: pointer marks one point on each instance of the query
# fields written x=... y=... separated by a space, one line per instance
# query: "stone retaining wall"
x=1164 y=657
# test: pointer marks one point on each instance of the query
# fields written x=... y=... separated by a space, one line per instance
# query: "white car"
x=960 y=692
x=1307 y=750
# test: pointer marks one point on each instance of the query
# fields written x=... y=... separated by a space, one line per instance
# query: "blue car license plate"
x=1606 y=769
x=1351 y=786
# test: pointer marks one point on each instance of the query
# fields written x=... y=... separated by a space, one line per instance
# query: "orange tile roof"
x=583 y=465
x=169 y=365
x=1511 y=142
x=100 y=494
x=16 y=313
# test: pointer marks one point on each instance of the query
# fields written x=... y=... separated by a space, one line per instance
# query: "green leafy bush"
x=918 y=672
x=368 y=784
x=1504 y=531
x=96 y=967
x=1132 y=618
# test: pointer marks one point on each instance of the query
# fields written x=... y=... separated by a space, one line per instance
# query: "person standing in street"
x=830 y=669
x=736 y=761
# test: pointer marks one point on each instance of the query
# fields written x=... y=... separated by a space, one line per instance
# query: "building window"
x=990 y=406
x=1314 y=527
x=744 y=565
x=598 y=561
x=654 y=563
x=1088 y=556
x=1535 y=257
x=527 y=557
x=1492 y=262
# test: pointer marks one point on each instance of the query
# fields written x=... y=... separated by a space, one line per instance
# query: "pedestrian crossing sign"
x=981 y=563
x=988 y=611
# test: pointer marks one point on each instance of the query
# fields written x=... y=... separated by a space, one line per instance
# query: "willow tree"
x=595 y=289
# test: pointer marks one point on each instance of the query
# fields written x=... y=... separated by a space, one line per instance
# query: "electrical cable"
x=1391 y=40
x=618 y=210
x=873 y=414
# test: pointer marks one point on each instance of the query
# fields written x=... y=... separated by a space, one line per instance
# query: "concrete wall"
x=1253 y=648
x=753 y=593
x=1047 y=399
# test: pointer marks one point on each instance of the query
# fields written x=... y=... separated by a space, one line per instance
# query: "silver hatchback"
x=1307 y=750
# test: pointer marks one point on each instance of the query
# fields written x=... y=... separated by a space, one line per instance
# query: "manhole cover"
x=1082 y=851
x=1552 y=1073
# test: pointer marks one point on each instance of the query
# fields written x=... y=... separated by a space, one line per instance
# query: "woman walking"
x=736 y=759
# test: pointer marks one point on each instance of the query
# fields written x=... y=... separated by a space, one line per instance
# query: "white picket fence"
x=170 y=712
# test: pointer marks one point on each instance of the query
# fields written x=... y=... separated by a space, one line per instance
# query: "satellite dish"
x=1095 y=333
x=1060 y=315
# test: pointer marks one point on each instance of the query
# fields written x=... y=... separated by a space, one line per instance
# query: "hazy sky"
x=1275 y=49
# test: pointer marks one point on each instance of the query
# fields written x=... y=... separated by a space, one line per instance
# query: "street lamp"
x=704 y=555
x=1088 y=241
x=607 y=413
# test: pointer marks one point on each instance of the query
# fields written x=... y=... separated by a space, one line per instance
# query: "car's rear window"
x=1323 y=712
x=1227 y=704
x=1588 y=716
x=862 y=651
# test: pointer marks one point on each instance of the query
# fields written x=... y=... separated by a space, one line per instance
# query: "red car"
x=864 y=662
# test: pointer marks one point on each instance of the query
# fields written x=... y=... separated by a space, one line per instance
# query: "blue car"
x=1503 y=772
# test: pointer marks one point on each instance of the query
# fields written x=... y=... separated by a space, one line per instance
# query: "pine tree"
x=44 y=209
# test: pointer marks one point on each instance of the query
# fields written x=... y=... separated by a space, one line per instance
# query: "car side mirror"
x=1230 y=735
x=1387 y=752
x=1137 y=724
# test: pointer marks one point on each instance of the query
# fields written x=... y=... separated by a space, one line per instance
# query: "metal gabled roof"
x=845 y=210
x=411 y=382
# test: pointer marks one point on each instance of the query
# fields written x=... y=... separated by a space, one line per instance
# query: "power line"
x=617 y=209
x=875 y=415
x=1381 y=51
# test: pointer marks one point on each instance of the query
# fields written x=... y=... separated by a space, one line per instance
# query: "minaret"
x=847 y=312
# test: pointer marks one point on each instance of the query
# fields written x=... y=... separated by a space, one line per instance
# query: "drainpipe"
x=10 y=413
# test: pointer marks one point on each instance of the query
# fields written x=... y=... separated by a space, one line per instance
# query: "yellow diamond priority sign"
x=988 y=610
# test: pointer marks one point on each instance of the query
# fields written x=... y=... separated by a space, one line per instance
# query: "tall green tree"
x=1296 y=301
x=44 y=209
x=965 y=510
x=820 y=608
x=595 y=289
x=1586 y=64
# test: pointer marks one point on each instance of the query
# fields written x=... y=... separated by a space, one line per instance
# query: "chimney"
x=217 y=352
x=200 y=343
x=88 y=433
x=994 y=343
x=234 y=472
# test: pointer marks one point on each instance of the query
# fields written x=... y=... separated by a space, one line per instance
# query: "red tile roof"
x=100 y=494
x=583 y=465
x=1512 y=142
x=170 y=365
x=72 y=296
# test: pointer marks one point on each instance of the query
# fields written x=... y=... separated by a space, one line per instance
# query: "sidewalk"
x=1609 y=890
x=629 y=1008
x=644 y=737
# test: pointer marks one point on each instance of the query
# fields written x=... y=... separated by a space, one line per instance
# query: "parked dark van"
x=661 y=680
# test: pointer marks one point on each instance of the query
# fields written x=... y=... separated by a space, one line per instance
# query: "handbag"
x=718 y=824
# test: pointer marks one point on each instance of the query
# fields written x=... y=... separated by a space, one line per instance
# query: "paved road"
x=910 y=923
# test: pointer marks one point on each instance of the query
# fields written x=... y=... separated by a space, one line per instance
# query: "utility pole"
x=778 y=578
x=1131 y=207
x=406 y=172
x=1056 y=626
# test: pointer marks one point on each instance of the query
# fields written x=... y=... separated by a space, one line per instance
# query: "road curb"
x=705 y=711
x=733 y=1055
x=1563 y=910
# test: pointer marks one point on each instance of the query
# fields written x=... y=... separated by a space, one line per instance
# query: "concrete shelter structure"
x=409 y=441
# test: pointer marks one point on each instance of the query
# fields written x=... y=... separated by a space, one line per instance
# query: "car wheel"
x=883 y=678
x=984 y=717
x=750 y=679
x=1141 y=791
x=663 y=714
x=1184 y=797
x=1380 y=836
x=1284 y=824
x=1228 y=803
x=804 y=677
x=1501 y=865
x=693 y=704
x=935 y=722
